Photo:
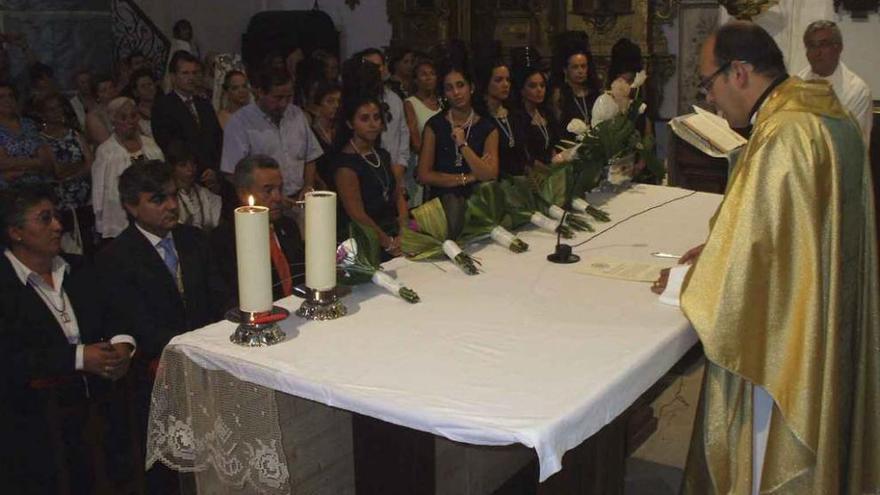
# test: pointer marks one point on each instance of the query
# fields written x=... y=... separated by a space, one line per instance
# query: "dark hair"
x=484 y=77
x=39 y=71
x=243 y=176
x=626 y=56
x=227 y=79
x=360 y=76
x=523 y=75
x=16 y=200
x=177 y=153
x=149 y=177
x=320 y=88
x=350 y=106
x=749 y=42
x=38 y=103
x=101 y=78
x=560 y=64
x=396 y=56
x=267 y=79
x=180 y=26
x=371 y=51
x=179 y=57
x=131 y=90
x=133 y=54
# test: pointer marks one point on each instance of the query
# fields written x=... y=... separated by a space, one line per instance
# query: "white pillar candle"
x=321 y=240
x=252 y=255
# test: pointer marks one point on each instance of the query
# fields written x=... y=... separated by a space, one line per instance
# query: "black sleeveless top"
x=512 y=160
x=377 y=189
x=539 y=147
x=445 y=151
x=569 y=108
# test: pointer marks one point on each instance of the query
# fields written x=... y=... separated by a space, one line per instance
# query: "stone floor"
x=656 y=468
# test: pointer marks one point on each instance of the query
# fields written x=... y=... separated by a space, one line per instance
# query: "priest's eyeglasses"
x=707 y=82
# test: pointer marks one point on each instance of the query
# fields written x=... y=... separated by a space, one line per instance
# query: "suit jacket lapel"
x=153 y=264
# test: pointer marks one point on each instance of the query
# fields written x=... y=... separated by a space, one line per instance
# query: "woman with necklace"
x=73 y=162
x=59 y=357
x=496 y=84
x=116 y=154
x=419 y=108
x=367 y=183
x=324 y=100
x=542 y=133
x=574 y=96
x=459 y=147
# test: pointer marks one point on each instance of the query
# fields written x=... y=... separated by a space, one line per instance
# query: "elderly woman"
x=142 y=89
x=98 y=124
x=22 y=152
x=116 y=154
x=59 y=357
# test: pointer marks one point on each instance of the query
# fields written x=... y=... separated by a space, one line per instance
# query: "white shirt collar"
x=25 y=274
x=153 y=238
x=185 y=98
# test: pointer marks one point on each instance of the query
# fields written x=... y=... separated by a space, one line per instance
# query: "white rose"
x=640 y=78
x=642 y=108
x=578 y=127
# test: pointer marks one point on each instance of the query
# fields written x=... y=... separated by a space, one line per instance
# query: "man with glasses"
x=824 y=44
x=784 y=294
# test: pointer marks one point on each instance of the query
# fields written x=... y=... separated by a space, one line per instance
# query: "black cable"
x=597 y=234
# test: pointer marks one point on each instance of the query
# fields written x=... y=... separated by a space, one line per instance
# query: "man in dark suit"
x=60 y=357
x=184 y=116
x=260 y=176
x=162 y=276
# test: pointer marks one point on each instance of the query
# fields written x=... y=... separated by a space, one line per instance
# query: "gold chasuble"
x=785 y=296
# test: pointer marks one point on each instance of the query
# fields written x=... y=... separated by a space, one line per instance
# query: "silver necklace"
x=506 y=128
x=467 y=135
x=538 y=119
x=385 y=183
x=581 y=103
x=65 y=316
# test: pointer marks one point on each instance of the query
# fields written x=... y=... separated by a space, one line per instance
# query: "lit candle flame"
x=251 y=200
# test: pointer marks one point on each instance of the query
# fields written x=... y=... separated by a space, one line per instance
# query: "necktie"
x=167 y=245
x=282 y=267
x=191 y=105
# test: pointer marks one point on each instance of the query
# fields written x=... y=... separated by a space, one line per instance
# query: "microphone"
x=562 y=254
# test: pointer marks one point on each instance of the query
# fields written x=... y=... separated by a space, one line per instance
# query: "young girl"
x=459 y=147
x=369 y=186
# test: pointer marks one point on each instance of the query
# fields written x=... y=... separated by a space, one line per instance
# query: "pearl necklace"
x=467 y=135
x=385 y=183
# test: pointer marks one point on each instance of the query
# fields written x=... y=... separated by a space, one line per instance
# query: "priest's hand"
x=691 y=255
x=659 y=285
x=102 y=359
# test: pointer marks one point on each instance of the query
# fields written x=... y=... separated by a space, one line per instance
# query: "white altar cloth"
x=526 y=352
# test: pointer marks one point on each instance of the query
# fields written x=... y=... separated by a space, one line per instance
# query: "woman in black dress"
x=367 y=183
x=575 y=93
x=495 y=86
x=459 y=147
x=542 y=131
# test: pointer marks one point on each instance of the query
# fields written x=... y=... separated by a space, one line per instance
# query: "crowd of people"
x=140 y=177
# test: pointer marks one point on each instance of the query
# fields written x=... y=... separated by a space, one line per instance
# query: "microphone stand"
x=562 y=254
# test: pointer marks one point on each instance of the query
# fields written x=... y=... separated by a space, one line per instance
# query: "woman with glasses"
x=60 y=358
x=459 y=146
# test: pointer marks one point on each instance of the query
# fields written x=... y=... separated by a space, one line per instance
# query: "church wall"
x=219 y=24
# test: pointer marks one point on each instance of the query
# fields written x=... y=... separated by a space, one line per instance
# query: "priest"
x=784 y=294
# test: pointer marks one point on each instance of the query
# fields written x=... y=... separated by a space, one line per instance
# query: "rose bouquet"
x=523 y=207
x=358 y=261
x=428 y=238
x=485 y=215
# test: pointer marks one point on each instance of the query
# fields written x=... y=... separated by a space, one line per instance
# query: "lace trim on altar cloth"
x=207 y=420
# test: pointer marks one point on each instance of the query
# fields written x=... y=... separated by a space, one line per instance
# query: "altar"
x=528 y=358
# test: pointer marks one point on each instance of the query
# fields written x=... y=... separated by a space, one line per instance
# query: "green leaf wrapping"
x=485 y=210
x=520 y=200
x=366 y=259
x=428 y=242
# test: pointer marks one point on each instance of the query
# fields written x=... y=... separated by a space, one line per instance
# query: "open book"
x=707 y=132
